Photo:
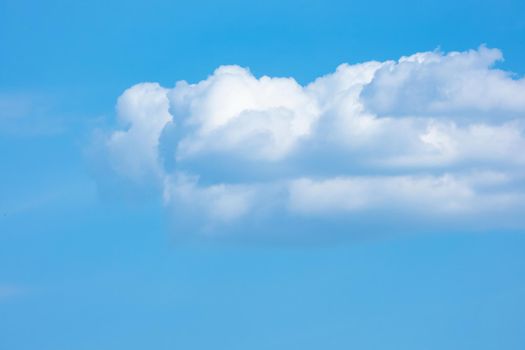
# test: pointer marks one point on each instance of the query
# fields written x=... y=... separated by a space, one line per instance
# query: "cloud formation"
x=431 y=135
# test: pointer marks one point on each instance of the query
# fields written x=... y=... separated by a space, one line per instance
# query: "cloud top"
x=431 y=135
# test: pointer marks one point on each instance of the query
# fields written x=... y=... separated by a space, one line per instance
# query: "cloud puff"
x=432 y=134
x=143 y=113
x=234 y=112
x=433 y=84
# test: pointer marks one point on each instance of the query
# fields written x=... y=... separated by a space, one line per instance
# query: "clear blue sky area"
x=82 y=269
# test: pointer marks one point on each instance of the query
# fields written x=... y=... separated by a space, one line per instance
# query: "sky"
x=254 y=175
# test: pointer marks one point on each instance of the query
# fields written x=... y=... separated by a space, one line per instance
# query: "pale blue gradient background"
x=92 y=271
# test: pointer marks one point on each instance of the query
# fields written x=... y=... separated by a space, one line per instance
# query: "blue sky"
x=223 y=239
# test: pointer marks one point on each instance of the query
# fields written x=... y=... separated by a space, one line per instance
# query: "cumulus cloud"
x=433 y=134
x=143 y=113
x=222 y=202
x=445 y=194
x=433 y=84
x=234 y=112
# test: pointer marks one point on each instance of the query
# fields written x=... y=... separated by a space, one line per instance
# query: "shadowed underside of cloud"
x=431 y=138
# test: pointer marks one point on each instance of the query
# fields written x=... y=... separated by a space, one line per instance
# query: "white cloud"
x=442 y=143
x=445 y=194
x=232 y=111
x=435 y=84
x=433 y=133
x=143 y=110
x=219 y=202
